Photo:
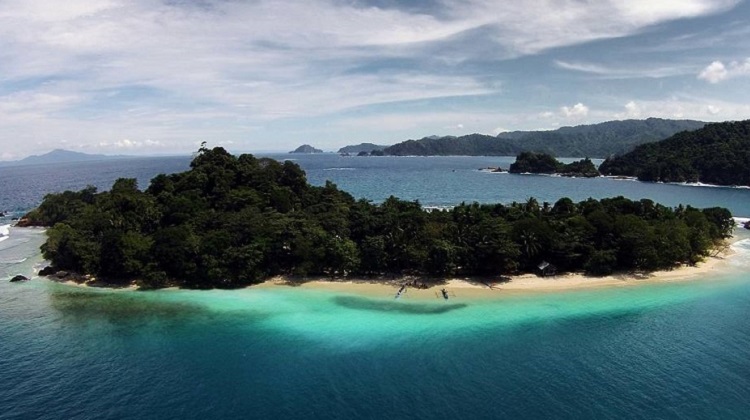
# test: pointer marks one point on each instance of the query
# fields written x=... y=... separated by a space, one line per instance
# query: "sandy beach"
x=489 y=289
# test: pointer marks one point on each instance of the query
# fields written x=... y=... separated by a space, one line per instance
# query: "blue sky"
x=154 y=77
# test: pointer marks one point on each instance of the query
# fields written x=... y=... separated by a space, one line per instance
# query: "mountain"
x=306 y=148
x=362 y=147
x=60 y=156
x=717 y=154
x=595 y=140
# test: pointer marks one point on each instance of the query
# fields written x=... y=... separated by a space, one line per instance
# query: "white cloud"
x=632 y=110
x=576 y=111
x=713 y=110
x=654 y=71
x=714 y=72
x=222 y=69
x=717 y=71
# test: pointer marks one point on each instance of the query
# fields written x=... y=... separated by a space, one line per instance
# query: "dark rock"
x=47 y=271
x=19 y=278
x=747 y=224
x=61 y=274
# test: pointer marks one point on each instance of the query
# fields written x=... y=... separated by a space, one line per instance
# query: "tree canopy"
x=716 y=154
x=231 y=221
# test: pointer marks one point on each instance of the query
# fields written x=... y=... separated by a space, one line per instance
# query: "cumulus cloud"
x=717 y=71
x=578 y=110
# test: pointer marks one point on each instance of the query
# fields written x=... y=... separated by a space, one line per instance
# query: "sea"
x=669 y=350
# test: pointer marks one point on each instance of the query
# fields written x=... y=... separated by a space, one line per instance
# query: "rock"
x=747 y=224
x=47 y=271
x=61 y=274
x=19 y=278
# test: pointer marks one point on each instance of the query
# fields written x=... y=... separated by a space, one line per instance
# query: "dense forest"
x=596 y=140
x=542 y=163
x=716 y=154
x=231 y=221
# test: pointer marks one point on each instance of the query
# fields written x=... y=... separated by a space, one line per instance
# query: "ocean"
x=657 y=350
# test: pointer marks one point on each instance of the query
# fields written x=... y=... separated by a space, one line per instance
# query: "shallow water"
x=671 y=350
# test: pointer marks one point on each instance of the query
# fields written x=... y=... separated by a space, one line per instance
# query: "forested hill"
x=596 y=141
x=231 y=221
x=716 y=154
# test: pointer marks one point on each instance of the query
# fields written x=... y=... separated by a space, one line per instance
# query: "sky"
x=145 y=77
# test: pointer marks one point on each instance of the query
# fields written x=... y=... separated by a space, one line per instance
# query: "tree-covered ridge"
x=231 y=221
x=716 y=154
x=542 y=163
x=595 y=140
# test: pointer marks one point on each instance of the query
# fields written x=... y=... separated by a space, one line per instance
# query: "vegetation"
x=362 y=147
x=306 y=148
x=542 y=163
x=716 y=154
x=597 y=140
x=231 y=221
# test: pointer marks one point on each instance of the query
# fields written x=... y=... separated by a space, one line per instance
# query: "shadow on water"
x=363 y=304
x=138 y=309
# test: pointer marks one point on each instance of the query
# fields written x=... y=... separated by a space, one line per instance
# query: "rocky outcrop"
x=19 y=278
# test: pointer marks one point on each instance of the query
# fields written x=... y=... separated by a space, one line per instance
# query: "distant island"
x=306 y=148
x=596 y=140
x=232 y=221
x=717 y=154
x=542 y=163
x=61 y=156
x=362 y=147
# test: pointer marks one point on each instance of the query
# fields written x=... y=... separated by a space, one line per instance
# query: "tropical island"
x=717 y=154
x=542 y=163
x=232 y=221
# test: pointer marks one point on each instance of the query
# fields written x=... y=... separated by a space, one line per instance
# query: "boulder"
x=747 y=224
x=19 y=278
x=47 y=271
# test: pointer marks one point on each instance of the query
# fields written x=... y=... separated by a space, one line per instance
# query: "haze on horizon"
x=156 y=77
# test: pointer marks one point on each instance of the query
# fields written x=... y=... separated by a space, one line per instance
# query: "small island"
x=306 y=149
x=232 y=221
x=542 y=163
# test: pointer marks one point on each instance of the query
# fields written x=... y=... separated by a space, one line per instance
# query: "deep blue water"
x=676 y=350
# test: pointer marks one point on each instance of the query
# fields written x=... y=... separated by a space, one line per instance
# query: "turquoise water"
x=669 y=350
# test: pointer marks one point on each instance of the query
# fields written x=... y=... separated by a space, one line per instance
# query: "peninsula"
x=717 y=154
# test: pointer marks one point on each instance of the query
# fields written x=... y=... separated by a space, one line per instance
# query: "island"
x=718 y=154
x=542 y=163
x=306 y=148
x=233 y=221
x=362 y=147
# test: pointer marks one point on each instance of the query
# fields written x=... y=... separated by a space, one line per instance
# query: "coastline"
x=477 y=288
x=510 y=286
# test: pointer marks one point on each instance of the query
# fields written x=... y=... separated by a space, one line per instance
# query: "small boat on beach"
x=445 y=293
x=401 y=291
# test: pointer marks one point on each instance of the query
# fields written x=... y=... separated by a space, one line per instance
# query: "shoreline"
x=514 y=286
x=474 y=288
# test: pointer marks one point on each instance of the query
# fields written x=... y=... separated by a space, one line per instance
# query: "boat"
x=445 y=293
x=401 y=291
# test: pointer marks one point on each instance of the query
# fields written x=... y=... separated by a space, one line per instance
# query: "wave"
x=14 y=261
x=740 y=221
x=4 y=232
